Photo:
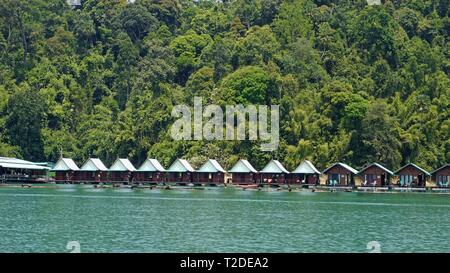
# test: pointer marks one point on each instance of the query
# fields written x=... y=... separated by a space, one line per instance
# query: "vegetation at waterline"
x=355 y=83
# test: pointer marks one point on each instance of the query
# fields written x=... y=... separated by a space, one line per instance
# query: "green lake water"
x=220 y=220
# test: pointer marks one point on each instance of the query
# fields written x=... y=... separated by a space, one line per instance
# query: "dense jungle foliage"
x=355 y=83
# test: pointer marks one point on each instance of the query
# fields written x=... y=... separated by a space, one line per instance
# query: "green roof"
x=414 y=166
x=211 y=166
x=242 y=166
x=180 y=166
x=274 y=166
x=306 y=167
x=122 y=164
x=151 y=165
x=65 y=164
x=93 y=165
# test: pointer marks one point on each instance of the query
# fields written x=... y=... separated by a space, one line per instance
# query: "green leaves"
x=258 y=47
x=247 y=85
x=355 y=83
x=24 y=122
x=375 y=33
x=187 y=49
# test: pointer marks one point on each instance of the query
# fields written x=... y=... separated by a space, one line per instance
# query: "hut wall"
x=294 y=178
x=64 y=176
x=148 y=177
x=91 y=176
x=217 y=178
x=243 y=178
x=185 y=177
x=120 y=176
x=298 y=178
x=272 y=178
x=323 y=179
x=312 y=179
x=81 y=176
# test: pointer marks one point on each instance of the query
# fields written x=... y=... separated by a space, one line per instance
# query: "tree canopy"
x=355 y=83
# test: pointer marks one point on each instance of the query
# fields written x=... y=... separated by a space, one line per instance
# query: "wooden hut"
x=340 y=174
x=92 y=171
x=211 y=172
x=243 y=173
x=121 y=171
x=13 y=169
x=273 y=173
x=65 y=170
x=412 y=175
x=151 y=171
x=180 y=172
x=441 y=176
x=305 y=173
x=375 y=175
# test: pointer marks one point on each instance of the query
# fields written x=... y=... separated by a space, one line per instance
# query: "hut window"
x=334 y=178
x=406 y=179
x=370 y=178
x=443 y=180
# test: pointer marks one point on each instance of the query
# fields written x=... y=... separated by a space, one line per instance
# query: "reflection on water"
x=219 y=220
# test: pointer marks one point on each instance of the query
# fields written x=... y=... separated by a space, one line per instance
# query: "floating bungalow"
x=180 y=172
x=151 y=171
x=13 y=169
x=442 y=176
x=412 y=175
x=273 y=173
x=93 y=170
x=340 y=174
x=65 y=170
x=121 y=171
x=375 y=175
x=243 y=173
x=211 y=172
x=305 y=173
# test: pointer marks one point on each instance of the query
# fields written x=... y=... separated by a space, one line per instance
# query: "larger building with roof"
x=13 y=169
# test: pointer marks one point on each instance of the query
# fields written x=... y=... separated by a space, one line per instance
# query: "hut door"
x=383 y=180
x=420 y=178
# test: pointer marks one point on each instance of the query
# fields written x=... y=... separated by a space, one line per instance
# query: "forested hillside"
x=355 y=83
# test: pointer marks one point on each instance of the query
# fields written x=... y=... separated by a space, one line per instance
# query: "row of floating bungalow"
x=274 y=173
x=181 y=172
